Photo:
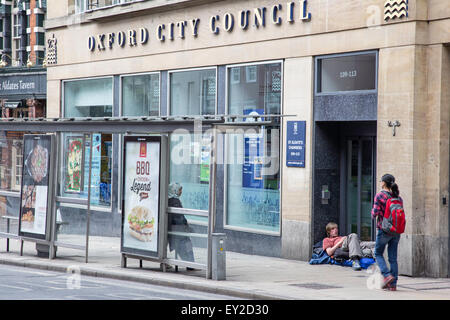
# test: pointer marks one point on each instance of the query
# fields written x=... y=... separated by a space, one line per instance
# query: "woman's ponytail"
x=394 y=190
x=389 y=180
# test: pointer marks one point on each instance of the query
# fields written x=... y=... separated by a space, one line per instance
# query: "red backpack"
x=394 y=219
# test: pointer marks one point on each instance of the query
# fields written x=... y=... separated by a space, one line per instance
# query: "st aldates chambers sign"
x=277 y=14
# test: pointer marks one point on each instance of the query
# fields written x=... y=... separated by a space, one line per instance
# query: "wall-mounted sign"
x=13 y=104
x=227 y=22
x=23 y=84
x=295 y=144
x=34 y=204
x=141 y=195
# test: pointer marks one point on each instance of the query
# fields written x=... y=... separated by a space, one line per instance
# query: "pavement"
x=247 y=276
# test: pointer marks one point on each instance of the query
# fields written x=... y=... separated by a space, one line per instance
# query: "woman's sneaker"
x=391 y=287
x=387 y=281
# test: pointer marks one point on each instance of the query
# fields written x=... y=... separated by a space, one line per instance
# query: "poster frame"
x=66 y=156
x=50 y=174
x=162 y=203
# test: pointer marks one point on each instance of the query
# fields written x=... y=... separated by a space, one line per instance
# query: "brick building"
x=22 y=85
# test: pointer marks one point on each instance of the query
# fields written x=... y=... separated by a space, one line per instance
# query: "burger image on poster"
x=141 y=223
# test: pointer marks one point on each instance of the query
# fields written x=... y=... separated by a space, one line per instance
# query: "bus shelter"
x=52 y=150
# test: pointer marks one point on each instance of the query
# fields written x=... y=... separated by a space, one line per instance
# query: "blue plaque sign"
x=295 y=153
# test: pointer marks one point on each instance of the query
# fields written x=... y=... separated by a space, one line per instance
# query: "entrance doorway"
x=345 y=165
x=358 y=185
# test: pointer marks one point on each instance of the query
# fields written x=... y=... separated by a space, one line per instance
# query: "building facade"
x=365 y=83
x=23 y=86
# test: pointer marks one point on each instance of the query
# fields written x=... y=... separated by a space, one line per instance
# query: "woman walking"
x=389 y=189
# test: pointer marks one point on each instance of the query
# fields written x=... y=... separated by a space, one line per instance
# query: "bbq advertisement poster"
x=140 y=216
x=35 y=184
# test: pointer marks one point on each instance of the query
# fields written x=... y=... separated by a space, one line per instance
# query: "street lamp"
x=3 y=62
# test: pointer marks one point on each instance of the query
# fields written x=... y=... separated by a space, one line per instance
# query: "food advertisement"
x=141 y=195
x=74 y=167
x=35 y=184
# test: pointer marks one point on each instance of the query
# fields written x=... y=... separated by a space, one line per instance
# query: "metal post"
x=88 y=211
x=55 y=161
x=212 y=200
x=7 y=231
x=219 y=256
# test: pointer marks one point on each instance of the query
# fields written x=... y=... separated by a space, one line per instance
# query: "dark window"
x=347 y=73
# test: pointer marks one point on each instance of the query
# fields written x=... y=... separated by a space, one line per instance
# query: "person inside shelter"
x=346 y=247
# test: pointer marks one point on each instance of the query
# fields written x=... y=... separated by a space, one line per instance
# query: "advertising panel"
x=141 y=195
x=34 y=209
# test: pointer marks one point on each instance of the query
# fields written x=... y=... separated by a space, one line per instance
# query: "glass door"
x=360 y=173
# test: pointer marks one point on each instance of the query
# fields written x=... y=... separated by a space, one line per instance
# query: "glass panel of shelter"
x=192 y=92
x=189 y=189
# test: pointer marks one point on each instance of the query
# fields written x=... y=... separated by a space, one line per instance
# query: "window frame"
x=60 y=196
x=16 y=40
x=63 y=94
x=14 y=157
x=118 y=3
x=169 y=88
x=138 y=74
x=317 y=75
x=227 y=226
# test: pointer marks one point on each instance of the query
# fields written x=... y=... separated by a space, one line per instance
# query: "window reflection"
x=347 y=73
x=140 y=95
x=88 y=98
x=189 y=166
x=252 y=167
x=193 y=92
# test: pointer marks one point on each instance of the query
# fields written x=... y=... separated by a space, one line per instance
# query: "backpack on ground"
x=394 y=219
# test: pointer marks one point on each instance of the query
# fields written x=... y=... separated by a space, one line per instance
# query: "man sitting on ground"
x=347 y=246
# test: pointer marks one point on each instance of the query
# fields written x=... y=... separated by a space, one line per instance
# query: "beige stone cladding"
x=413 y=89
x=297 y=182
x=335 y=26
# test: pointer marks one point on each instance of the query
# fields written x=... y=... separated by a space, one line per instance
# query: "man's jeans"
x=391 y=241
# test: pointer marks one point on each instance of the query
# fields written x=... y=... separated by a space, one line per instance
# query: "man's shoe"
x=356 y=266
x=191 y=269
x=387 y=281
